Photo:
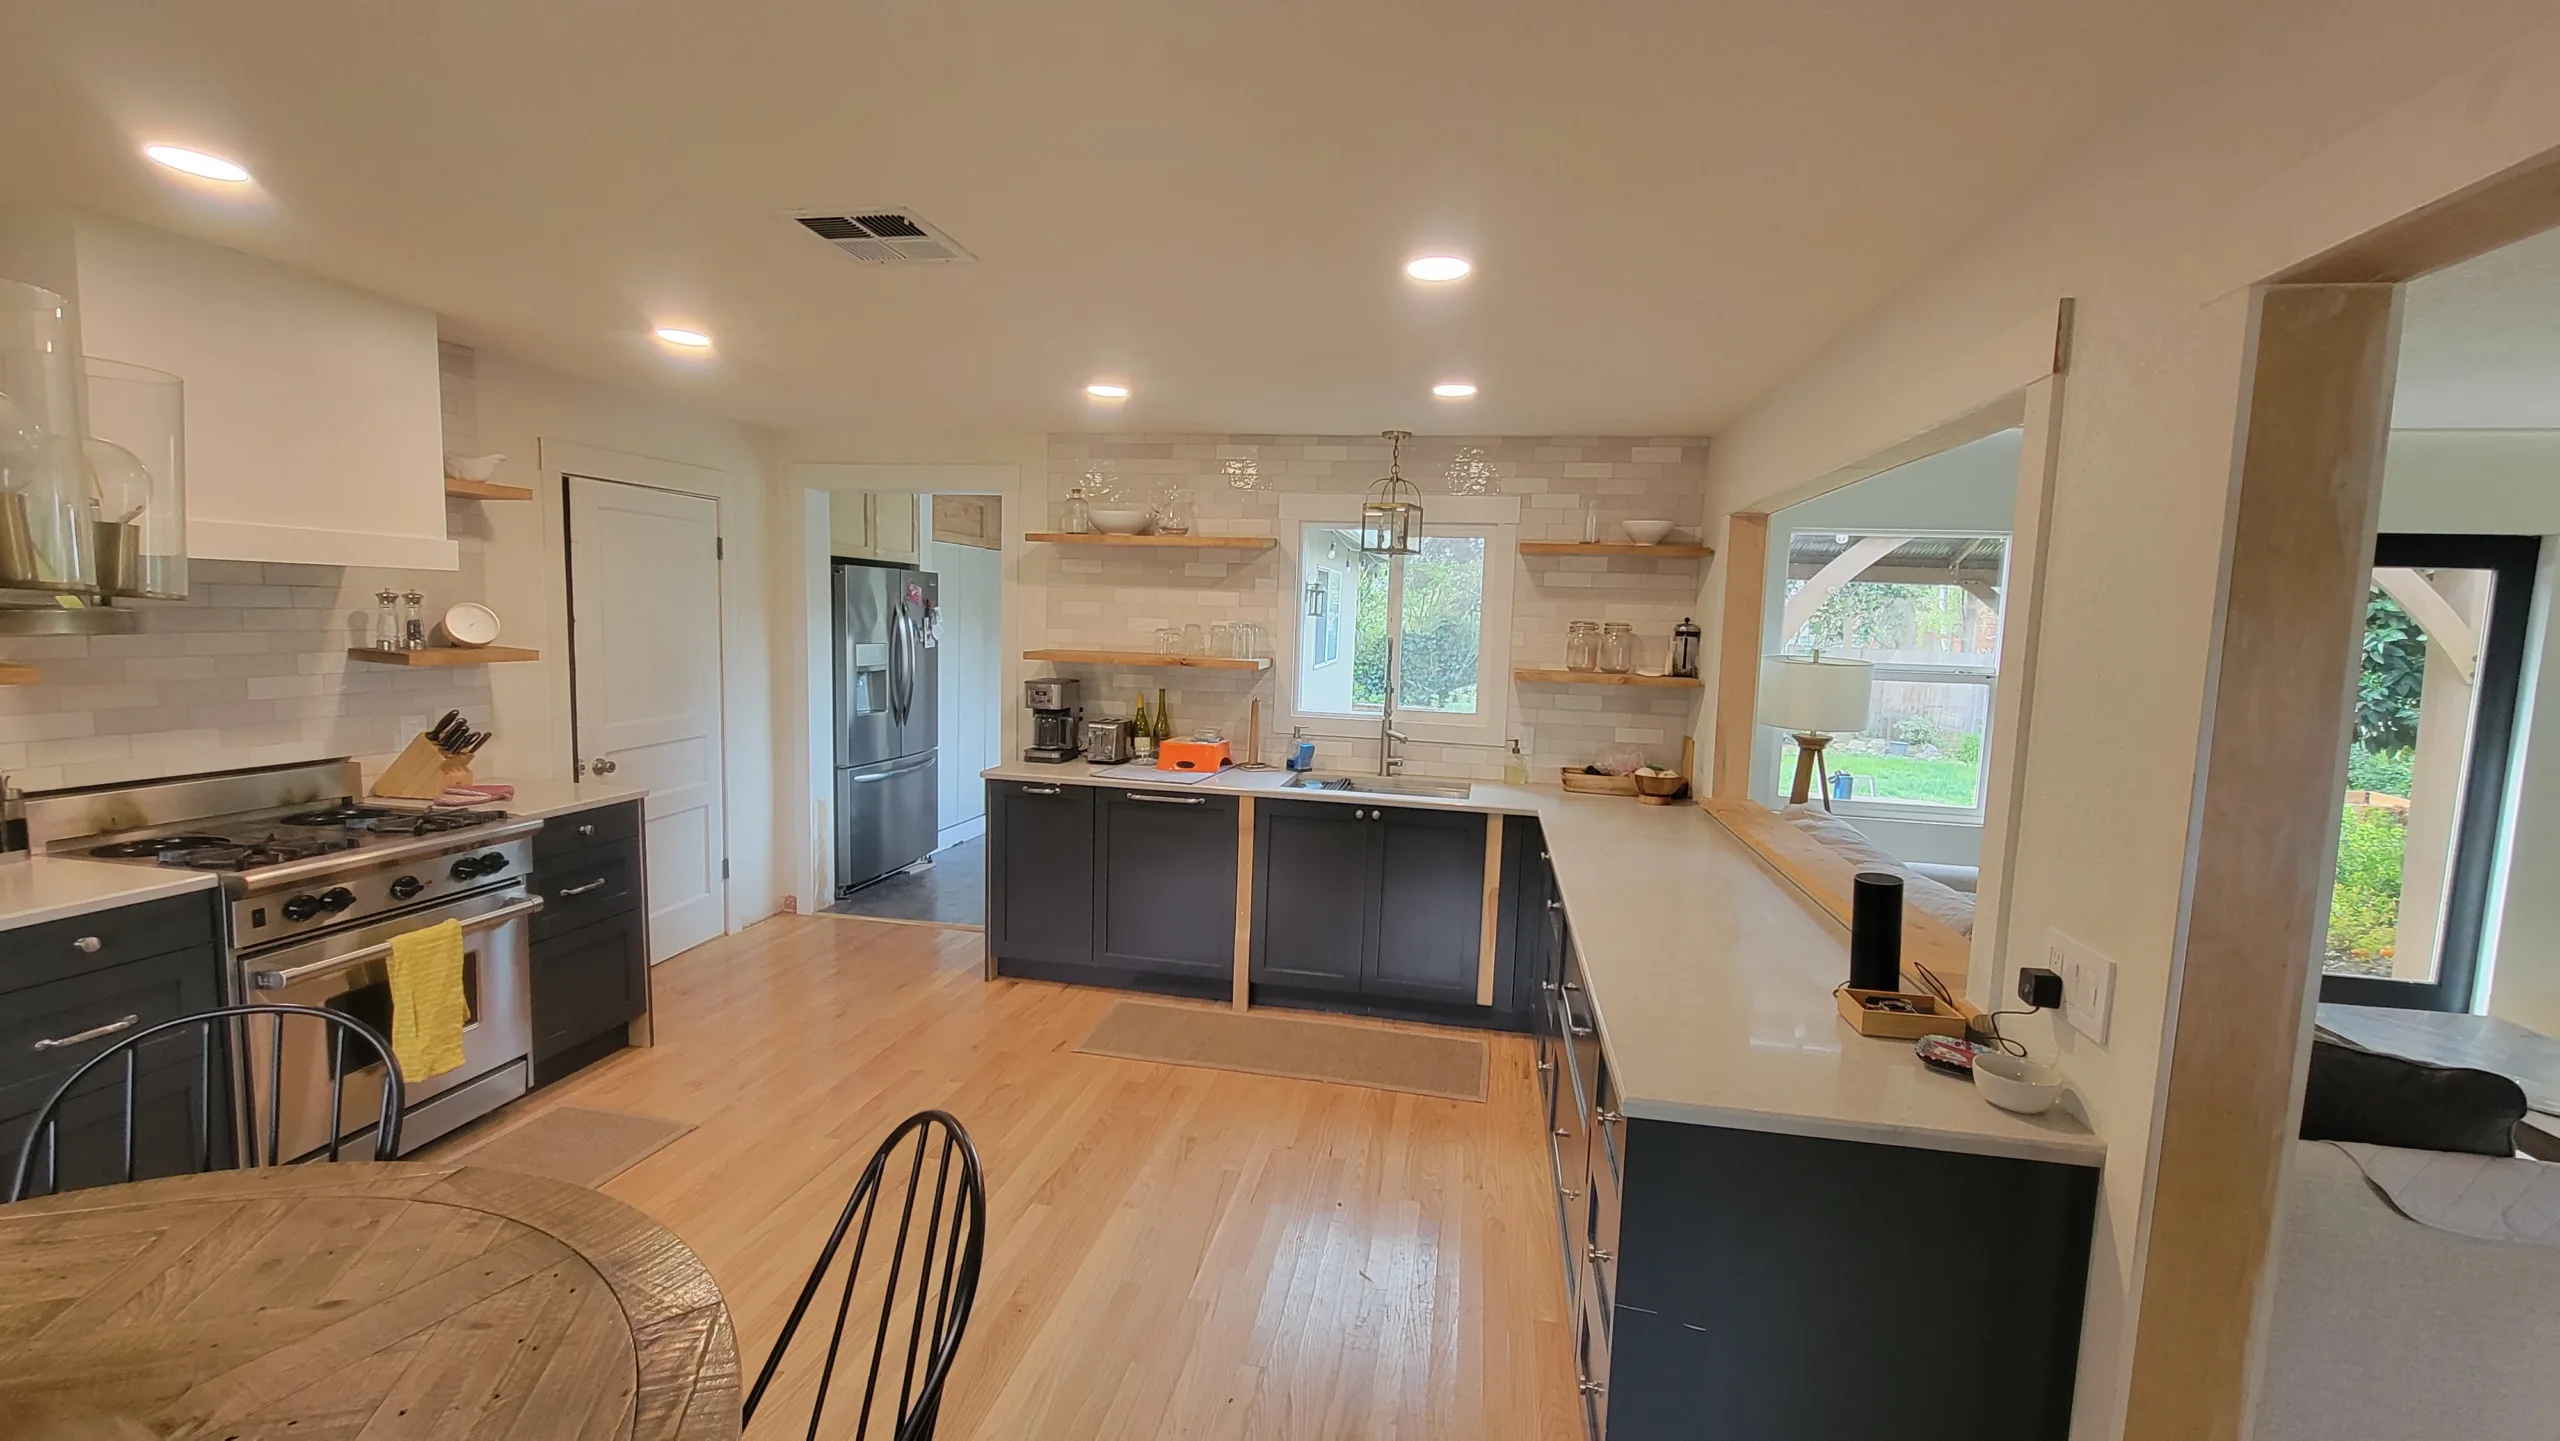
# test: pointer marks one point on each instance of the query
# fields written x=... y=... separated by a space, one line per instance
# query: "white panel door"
x=644 y=630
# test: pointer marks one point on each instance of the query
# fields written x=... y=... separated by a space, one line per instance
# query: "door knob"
x=603 y=767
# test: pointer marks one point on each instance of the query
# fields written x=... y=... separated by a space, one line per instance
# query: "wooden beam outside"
x=2283 y=673
x=1746 y=561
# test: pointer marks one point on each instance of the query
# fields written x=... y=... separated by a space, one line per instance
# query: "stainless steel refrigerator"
x=886 y=665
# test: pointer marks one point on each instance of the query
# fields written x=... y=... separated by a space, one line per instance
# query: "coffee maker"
x=1057 y=720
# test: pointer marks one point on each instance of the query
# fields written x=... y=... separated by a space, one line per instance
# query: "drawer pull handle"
x=1608 y=1118
x=1039 y=790
x=1568 y=1192
x=56 y=1043
x=1561 y=1131
x=1573 y=985
x=587 y=829
x=594 y=885
x=1580 y=1030
x=1598 y=1256
x=1546 y=985
x=1166 y=800
x=1555 y=905
x=1592 y=1388
x=86 y=945
x=1546 y=1065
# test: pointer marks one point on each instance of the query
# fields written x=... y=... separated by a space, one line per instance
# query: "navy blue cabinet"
x=1164 y=901
x=589 y=957
x=1039 y=876
x=1384 y=903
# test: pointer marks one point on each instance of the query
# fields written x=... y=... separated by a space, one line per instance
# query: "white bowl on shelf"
x=1646 y=532
x=471 y=467
x=1119 y=522
x=470 y=625
x=2013 y=1084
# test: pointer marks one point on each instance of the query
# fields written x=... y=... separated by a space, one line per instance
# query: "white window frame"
x=1986 y=677
x=1496 y=519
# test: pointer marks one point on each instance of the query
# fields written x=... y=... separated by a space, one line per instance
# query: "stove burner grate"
x=144 y=850
x=223 y=854
x=393 y=823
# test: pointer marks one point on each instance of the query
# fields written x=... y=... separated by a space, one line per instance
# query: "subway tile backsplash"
x=1115 y=600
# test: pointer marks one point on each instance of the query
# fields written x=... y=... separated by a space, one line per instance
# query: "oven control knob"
x=466 y=868
x=405 y=887
x=492 y=862
x=336 y=899
x=301 y=908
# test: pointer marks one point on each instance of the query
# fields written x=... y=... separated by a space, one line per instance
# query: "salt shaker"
x=414 y=629
x=386 y=622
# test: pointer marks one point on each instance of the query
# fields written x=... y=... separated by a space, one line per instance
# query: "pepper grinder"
x=386 y=623
x=414 y=629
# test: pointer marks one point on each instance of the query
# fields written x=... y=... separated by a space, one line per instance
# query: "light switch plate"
x=2088 y=984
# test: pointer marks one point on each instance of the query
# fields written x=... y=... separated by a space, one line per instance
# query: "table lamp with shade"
x=1814 y=698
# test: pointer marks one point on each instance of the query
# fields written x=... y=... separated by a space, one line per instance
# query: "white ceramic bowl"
x=470 y=625
x=1119 y=522
x=1647 y=532
x=472 y=467
x=2025 y=1087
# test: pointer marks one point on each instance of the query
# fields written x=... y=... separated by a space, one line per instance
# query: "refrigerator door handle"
x=902 y=665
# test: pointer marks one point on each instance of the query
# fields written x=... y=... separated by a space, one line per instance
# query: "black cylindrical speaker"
x=1875 y=932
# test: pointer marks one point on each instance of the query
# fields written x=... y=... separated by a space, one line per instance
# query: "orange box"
x=1174 y=755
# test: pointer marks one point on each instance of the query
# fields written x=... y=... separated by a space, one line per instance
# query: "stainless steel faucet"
x=1390 y=763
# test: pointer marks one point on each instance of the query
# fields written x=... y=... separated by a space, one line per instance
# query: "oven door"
x=349 y=972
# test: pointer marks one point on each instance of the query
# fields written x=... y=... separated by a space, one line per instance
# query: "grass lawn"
x=1945 y=781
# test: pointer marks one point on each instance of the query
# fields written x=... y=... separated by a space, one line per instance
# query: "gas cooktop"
x=251 y=843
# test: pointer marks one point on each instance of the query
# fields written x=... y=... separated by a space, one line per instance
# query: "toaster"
x=1109 y=742
x=1192 y=755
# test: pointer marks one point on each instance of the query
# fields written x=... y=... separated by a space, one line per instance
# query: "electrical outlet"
x=2088 y=984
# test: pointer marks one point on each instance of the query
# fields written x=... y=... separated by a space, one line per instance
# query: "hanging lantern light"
x=1391 y=517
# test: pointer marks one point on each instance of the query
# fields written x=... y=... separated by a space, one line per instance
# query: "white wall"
x=2506 y=483
x=2299 y=130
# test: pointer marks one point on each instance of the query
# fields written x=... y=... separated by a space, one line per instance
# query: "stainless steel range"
x=317 y=884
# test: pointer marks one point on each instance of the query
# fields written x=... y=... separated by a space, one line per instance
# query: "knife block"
x=422 y=773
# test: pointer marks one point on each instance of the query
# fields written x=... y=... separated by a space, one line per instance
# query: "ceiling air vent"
x=886 y=236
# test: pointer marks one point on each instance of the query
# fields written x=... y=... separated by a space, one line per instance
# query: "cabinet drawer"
x=594 y=826
x=582 y=887
x=587 y=981
x=37 y=1022
x=39 y=954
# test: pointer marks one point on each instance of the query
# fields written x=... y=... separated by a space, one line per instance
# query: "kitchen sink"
x=1381 y=785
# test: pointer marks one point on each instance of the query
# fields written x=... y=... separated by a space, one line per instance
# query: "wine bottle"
x=1142 y=732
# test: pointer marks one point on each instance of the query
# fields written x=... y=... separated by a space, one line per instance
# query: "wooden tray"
x=1933 y=1018
x=1575 y=780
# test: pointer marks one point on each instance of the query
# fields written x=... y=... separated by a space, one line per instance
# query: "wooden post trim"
x=1489 y=935
x=2267 y=814
x=1244 y=903
x=1746 y=563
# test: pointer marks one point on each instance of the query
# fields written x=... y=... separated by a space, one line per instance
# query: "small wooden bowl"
x=1660 y=790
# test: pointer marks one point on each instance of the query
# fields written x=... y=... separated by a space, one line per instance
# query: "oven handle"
x=279 y=980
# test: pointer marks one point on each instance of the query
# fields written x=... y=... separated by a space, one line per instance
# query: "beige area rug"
x=1267 y=1045
x=575 y=1144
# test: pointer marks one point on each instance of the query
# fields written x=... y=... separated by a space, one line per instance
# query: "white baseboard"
x=968 y=830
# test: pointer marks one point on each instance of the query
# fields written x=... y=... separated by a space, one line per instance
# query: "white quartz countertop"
x=541 y=800
x=47 y=888
x=1712 y=979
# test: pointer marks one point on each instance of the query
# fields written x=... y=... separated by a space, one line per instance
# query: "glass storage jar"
x=1582 y=645
x=1076 y=516
x=137 y=452
x=1618 y=648
x=48 y=516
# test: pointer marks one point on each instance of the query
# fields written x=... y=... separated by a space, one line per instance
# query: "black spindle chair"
x=919 y=1330
x=260 y=1145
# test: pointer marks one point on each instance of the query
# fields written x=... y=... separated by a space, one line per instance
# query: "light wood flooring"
x=1172 y=1252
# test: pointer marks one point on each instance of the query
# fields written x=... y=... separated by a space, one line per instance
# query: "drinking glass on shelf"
x=1195 y=641
x=1168 y=641
x=1248 y=640
x=1222 y=640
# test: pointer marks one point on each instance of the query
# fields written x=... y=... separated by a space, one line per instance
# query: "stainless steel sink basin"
x=1380 y=785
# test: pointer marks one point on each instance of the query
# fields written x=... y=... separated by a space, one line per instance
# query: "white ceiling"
x=1670 y=204
x=2480 y=343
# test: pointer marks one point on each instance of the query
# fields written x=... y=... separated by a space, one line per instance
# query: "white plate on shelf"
x=470 y=625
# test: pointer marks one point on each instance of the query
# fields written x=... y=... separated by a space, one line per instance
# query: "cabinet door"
x=588 y=981
x=1429 y=909
x=1165 y=898
x=170 y=1074
x=1040 y=872
x=1310 y=902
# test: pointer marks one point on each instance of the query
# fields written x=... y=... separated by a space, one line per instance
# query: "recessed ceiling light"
x=689 y=339
x=1453 y=390
x=1101 y=390
x=1437 y=267
x=197 y=163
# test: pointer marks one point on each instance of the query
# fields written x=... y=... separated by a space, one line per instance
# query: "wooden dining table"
x=389 y=1301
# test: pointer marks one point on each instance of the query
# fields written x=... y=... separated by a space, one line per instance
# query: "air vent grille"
x=882 y=236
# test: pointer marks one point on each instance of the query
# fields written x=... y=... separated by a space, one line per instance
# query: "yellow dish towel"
x=427 y=1004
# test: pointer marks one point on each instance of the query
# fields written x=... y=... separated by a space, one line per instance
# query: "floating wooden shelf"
x=19 y=674
x=1615 y=547
x=445 y=655
x=1164 y=542
x=1602 y=677
x=1149 y=658
x=484 y=490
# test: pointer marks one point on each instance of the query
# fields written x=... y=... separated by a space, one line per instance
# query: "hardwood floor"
x=1172 y=1252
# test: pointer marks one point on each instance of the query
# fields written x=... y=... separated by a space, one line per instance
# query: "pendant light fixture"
x=1391 y=517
